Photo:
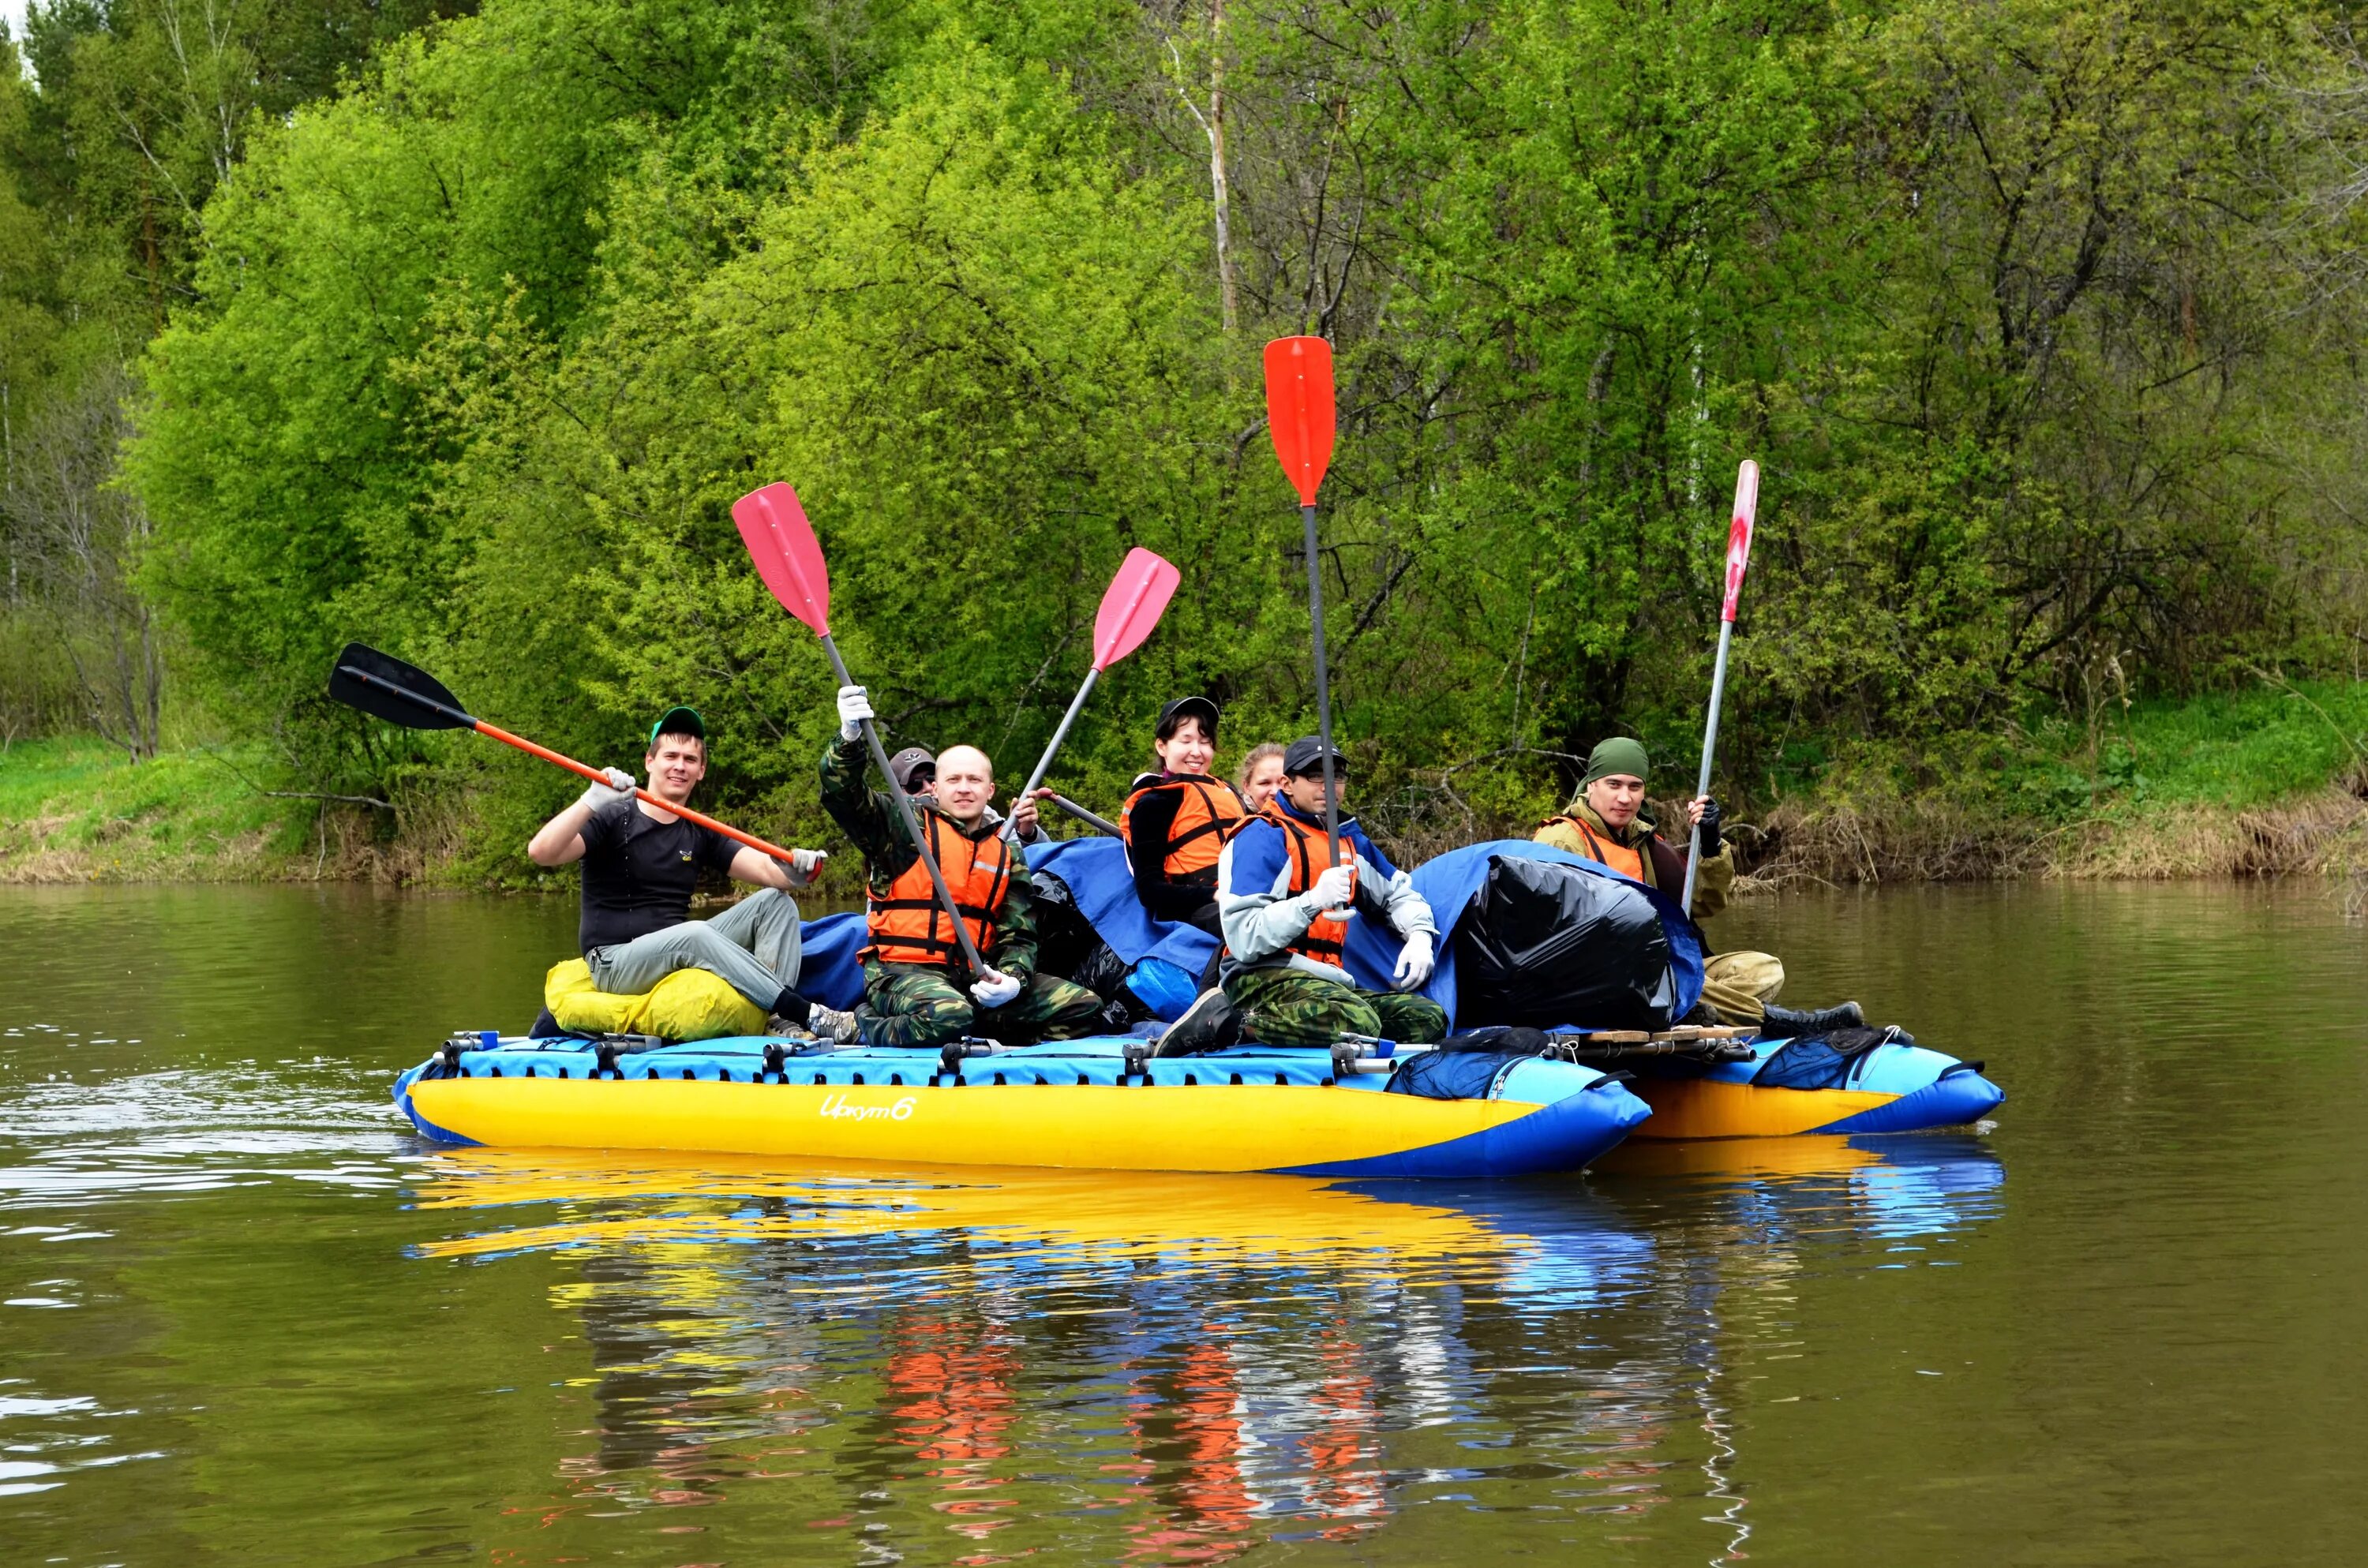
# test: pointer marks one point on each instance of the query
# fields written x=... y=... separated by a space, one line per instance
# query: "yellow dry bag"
x=689 y=1004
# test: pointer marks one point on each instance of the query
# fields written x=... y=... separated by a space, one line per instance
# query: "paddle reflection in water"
x=1758 y=1208
x=1180 y=1369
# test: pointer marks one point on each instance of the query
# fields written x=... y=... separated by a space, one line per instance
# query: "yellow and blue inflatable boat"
x=1113 y=1105
x=1896 y=1087
x=1081 y=1104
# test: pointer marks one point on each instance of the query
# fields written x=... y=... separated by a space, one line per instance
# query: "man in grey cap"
x=642 y=863
x=1285 y=900
x=1605 y=824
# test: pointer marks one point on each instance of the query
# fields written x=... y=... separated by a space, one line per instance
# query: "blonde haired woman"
x=1259 y=776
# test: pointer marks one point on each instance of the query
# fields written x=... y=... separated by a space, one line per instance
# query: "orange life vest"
x=907 y=925
x=1310 y=857
x=1608 y=851
x=1208 y=813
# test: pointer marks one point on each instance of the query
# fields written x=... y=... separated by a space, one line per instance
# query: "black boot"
x=1782 y=1023
x=1208 y=1024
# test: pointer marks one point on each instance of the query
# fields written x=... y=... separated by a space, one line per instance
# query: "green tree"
x=286 y=451
x=2033 y=315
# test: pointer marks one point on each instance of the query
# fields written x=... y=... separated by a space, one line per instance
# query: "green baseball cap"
x=679 y=721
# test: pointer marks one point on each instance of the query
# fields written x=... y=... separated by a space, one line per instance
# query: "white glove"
x=805 y=863
x=1334 y=886
x=993 y=989
x=619 y=788
x=1414 y=962
x=854 y=707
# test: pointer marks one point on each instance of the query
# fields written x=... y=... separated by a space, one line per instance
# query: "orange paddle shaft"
x=751 y=840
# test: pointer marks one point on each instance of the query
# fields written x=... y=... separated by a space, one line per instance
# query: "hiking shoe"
x=779 y=1027
x=1782 y=1023
x=1208 y=1024
x=830 y=1024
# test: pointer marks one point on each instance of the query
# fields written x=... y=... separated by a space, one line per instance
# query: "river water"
x=249 y=1318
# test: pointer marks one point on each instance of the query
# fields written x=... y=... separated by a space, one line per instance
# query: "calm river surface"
x=248 y=1318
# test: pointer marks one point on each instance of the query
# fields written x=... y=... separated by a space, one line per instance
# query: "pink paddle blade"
x=1738 y=536
x=781 y=542
x=1132 y=605
x=1299 y=410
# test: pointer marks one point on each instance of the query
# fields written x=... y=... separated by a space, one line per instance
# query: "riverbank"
x=2271 y=780
x=74 y=809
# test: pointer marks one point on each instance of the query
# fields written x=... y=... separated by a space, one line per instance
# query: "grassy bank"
x=2265 y=781
x=73 y=810
x=2269 y=780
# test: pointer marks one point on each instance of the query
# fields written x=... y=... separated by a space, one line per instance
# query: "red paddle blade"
x=1132 y=605
x=1299 y=410
x=781 y=542
x=1738 y=536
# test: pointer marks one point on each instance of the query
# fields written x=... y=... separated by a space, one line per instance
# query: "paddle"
x=386 y=688
x=772 y=524
x=1739 y=555
x=1131 y=606
x=1100 y=824
x=1299 y=416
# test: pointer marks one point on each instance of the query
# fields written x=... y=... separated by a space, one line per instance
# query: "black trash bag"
x=1066 y=942
x=1543 y=944
x=1104 y=973
x=1069 y=948
x=1818 y=1060
x=1445 y=1075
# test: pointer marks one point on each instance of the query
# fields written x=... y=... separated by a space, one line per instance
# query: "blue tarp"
x=1167 y=959
x=829 y=971
x=1096 y=873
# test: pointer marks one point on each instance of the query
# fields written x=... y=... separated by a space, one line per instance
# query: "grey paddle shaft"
x=1044 y=763
x=1323 y=683
x=1100 y=824
x=1710 y=744
x=912 y=823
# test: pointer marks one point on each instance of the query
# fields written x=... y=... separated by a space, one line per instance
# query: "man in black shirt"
x=642 y=864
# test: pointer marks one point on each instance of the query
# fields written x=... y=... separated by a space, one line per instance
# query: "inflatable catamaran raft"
x=1108 y=1104
x=1532 y=938
x=1103 y=1103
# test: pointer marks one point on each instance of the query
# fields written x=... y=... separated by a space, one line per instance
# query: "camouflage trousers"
x=1283 y=1006
x=914 y=1004
x=1738 y=986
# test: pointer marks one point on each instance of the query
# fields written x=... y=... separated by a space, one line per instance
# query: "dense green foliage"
x=2039 y=316
x=142 y=111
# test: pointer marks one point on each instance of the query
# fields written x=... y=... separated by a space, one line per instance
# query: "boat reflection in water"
x=1183 y=1367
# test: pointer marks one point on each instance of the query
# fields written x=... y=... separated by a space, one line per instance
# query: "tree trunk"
x=1228 y=291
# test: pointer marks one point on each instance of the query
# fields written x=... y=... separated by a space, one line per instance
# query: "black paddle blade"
x=386 y=688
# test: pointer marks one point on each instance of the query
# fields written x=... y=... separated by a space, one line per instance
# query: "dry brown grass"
x=345 y=843
x=31 y=853
x=1935 y=841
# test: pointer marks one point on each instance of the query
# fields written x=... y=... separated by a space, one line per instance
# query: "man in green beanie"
x=1605 y=824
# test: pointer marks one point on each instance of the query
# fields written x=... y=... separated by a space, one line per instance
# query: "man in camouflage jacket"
x=932 y=1004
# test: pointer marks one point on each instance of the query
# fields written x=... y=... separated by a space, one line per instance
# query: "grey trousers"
x=753 y=947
